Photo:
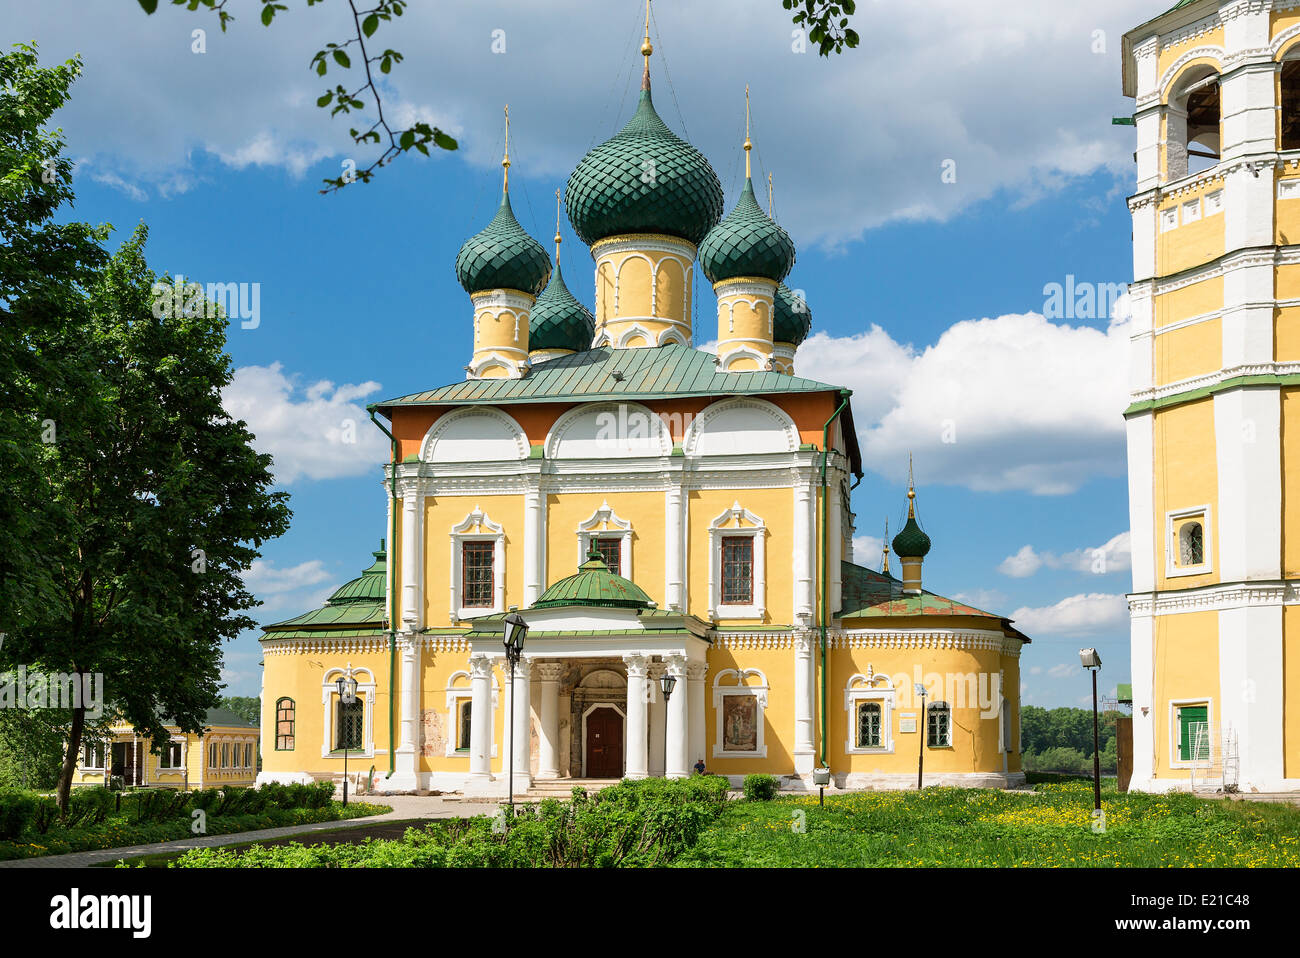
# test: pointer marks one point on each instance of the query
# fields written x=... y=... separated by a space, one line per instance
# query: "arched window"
x=1191 y=544
x=1290 y=103
x=284 y=724
x=1192 y=120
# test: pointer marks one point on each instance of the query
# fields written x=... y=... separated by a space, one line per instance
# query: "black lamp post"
x=516 y=629
x=347 y=688
x=925 y=731
x=1092 y=662
x=669 y=682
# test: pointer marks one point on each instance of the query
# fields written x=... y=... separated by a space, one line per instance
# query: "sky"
x=954 y=186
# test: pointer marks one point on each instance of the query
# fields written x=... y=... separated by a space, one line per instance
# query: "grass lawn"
x=981 y=828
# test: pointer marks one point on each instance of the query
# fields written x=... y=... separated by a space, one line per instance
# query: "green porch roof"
x=354 y=609
x=868 y=594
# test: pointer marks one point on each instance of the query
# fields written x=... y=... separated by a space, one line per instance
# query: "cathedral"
x=671 y=526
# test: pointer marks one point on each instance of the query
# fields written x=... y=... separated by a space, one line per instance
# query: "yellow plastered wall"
x=643 y=510
x=1286 y=334
x=637 y=283
x=1195 y=299
x=775 y=507
x=745 y=320
x=441 y=513
x=778 y=719
x=1188 y=244
x=1290 y=480
x=1291 y=690
x=1189 y=351
x=1186 y=476
x=500 y=329
x=1186 y=650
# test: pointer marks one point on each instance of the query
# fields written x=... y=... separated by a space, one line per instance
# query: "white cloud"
x=1063 y=670
x=990 y=600
x=1009 y=403
x=263 y=578
x=1083 y=614
x=316 y=432
x=867 y=551
x=1112 y=556
x=995 y=87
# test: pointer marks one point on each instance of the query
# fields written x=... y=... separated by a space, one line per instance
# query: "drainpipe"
x=392 y=599
x=825 y=580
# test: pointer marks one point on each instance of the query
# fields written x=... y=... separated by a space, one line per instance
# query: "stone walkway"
x=404 y=807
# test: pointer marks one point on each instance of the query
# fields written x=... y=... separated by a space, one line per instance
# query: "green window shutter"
x=1193 y=725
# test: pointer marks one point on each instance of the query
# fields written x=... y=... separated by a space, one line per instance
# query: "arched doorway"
x=602 y=734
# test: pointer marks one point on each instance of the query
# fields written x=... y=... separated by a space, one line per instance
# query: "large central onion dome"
x=558 y=320
x=791 y=317
x=646 y=179
x=503 y=256
x=747 y=243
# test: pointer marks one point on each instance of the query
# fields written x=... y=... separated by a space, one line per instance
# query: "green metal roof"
x=869 y=594
x=355 y=608
x=502 y=256
x=645 y=179
x=791 y=317
x=594 y=584
x=1124 y=693
x=216 y=718
x=747 y=243
x=558 y=320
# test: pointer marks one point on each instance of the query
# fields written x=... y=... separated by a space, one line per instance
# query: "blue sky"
x=927 y=296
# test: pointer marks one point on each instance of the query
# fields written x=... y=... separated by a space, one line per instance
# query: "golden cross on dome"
x=886 y=548
x=505 y=160
x=769 y=196
x=748 y=145
x=911 y=490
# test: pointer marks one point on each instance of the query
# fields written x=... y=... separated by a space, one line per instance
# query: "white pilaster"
x=1248 y=206
x=678 y=765
x=412 y=538
x=520 y=732
x=695 y=675
x=548 y=738
x=407 y=758
x=804 y=539
x=534 y=544
x=1247 y=434
x=805 y=751
x=1144 y=705
x=1141 y=501
x=835 y=542
x=635 y=754
x=480 y=727
x=1251 y=693
x=674 y=521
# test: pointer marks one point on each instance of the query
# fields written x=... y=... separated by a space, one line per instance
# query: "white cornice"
x=1231 y=595
x=1210 y=380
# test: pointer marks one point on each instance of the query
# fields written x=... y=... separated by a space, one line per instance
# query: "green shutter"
x=1193 y=723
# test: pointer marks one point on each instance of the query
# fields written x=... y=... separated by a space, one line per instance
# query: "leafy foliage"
x=247 y=707
x=760 y=788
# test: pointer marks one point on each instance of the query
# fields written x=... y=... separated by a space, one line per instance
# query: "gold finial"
x=558 y=240
x=647 y=48
x=748 y=145
x=886 y=549
x=911 y=490
x=505 y=160
x=769 y=196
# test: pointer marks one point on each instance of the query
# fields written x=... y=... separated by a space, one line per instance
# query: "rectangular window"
x=737 y=570
x=476 y=574
x=284 y=716
x=248 y=755
x=225 y=755
x=939 y=726
x=171 y=756
x=869 y=725
x=611 y=550
x=1193 y=733
x=92 y=755
x=212 y=755
x=463 y=726
x=348 y=731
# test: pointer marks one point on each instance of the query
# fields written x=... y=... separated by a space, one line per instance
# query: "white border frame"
x=854 y=696
x=585 y=715
x=455 y=695
x=366 y=692
x=759 y=692
x=757 y=608
x=616 y=528
x=471 y=529
x=1174 y=706
x=1172 y=569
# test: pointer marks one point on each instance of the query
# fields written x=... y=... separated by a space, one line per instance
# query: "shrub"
x=17 y=810
x=760 y=788
x=89 y=806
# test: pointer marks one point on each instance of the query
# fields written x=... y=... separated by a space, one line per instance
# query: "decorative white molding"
x=757 y=531
x=474 y=434
x=365 y=692
x=741 y=425
x=610 y=432
x=1220 y=597
x=871 y=687
x=604 y=523
x=1210 y=380
x=967 y=640
x=478 y=527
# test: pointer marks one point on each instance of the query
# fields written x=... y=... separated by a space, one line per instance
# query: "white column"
x=1247 y=438
x=548 y=739
x=409 y=749
x=534 y=544
x=1251 y=693
x=677 y=764
x=1144 y=705
x=1141 y=502
x=803 y=548
x=805 y=751
x=656 y=717
x=412 y=526
x=519 y=733
x=695 y=673
x=634 y=752
x=675 y=579
x=835 y=540
x=480 y=721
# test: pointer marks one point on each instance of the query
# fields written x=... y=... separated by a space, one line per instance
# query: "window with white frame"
x=171 y=756
x=285 y=710
x=354 y=724
x=1187 y=534
x=1191 y=739
x=92 y=755
x=740 y=707
x=737 y=565
x=225 y=755
x=212 y=755
x=609 y=535
x=869 y=706
x=248 y=755
x=460 y=707
x=477 y=567
x=938 y=725
x=350 y=721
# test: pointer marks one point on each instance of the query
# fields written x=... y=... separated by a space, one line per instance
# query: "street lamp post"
x=515 y=629
x=347 y=688
x=925 y=730
x=668 y=682
x=1092 y=662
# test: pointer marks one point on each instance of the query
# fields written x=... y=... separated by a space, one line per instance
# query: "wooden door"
x=605 y=744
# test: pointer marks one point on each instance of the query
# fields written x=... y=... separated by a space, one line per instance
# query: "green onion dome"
x=911 y=542
x=503 y=256
x=791 y=317
x=747 y=243
x=646 y=179
x=368 y=587
x=594 y=584
x=558 y=320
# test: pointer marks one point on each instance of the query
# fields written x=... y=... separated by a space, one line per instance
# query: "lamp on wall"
x=346 y=685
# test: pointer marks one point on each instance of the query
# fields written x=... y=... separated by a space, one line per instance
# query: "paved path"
x=404 y=807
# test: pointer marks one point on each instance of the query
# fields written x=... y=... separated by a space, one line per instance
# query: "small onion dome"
x=503 y=256
x=911 y=542
x=594 y=584
x=747 y=243
x=645 y=179
x=791 y=319
x=370 y=586
x=558 y=320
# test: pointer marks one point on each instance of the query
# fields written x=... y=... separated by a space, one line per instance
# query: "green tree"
x=247 y=707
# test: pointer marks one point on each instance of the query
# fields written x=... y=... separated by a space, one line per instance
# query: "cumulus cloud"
x=952 y=406
x=867 y=551
x=1083 y=614
x=1001 y=84
x=1114 y=555
x=317 y=431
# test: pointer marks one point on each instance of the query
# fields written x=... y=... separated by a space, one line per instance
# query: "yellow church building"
x=650 y=509
x=1214 y=419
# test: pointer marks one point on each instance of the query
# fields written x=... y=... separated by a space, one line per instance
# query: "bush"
x=760 y=788
x=89 y=806
x=17 y=810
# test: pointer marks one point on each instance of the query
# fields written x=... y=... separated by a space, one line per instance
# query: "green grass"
x=981 y=828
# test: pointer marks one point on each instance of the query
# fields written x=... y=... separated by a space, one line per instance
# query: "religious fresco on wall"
x=739 y=723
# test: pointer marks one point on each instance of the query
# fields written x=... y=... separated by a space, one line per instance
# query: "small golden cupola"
x=745 y=257
x=503 y=269
x=911 y=545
